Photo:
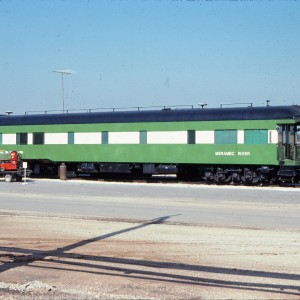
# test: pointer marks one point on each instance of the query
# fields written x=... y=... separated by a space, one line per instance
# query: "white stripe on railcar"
x=124 y=137
x=94 y=138
x=9 y=139
x=56 y=138
x=205 y=137
x=167 y=137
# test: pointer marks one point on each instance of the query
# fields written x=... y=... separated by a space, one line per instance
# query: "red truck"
x=11 y=166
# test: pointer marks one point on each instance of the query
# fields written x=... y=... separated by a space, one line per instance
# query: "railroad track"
x=174 y=180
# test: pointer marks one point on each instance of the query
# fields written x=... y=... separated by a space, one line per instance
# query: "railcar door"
x=288 y=142
x=297 y=142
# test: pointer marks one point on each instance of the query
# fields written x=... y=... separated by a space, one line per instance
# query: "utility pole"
x=63 y=73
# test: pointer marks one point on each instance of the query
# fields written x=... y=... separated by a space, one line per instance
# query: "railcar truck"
x=11 y=166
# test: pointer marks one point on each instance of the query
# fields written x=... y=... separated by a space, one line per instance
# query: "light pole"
x=63 y=72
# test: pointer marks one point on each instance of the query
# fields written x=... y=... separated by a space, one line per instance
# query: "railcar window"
x=257 y=136
x=22 y=138
x=104 y=137
x=70 y=138
x=38 y=138
x=292 y=135
x=191 y=137
x=280 y=134
x=143 y=137
x=297 y=135
x=225 y=136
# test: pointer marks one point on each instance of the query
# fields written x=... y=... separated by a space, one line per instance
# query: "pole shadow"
x=131 y=268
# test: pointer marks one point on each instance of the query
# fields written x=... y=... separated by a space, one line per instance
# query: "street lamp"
x=63 y=72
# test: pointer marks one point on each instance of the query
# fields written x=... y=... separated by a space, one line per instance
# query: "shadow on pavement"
x=145 y=269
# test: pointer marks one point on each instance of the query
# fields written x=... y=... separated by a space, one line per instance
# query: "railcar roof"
x=172 y=115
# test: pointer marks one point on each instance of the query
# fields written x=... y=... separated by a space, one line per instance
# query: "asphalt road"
x=255 y=207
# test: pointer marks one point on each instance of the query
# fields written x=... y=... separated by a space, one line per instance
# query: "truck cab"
x=11 y=165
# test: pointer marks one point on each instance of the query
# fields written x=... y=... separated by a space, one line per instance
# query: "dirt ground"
x=68 y=257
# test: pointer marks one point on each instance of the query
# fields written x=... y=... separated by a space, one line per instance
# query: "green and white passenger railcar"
x=252 y=144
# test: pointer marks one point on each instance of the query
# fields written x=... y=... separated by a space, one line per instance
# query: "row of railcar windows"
x=259 y=136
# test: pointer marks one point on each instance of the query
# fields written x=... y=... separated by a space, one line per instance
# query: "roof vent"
x=202 y=104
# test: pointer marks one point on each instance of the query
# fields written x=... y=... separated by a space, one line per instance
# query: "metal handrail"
x=232 y=104
x=111 y=109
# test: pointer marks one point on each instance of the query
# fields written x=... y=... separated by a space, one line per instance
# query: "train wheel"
x=255 y=178
x=250 y=177
x=234 y=178
x=208 y=176
x=219 y=176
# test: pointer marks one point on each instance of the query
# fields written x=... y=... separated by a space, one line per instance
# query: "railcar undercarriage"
x=239 y=175
x=211 y=174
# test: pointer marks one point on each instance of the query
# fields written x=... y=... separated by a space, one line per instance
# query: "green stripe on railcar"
x=192 y=154
x=151 y=126
x=219 y=153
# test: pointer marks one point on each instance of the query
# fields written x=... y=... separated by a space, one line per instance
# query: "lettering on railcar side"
x=244 y=153
x=227 y=153
x=232 y=153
